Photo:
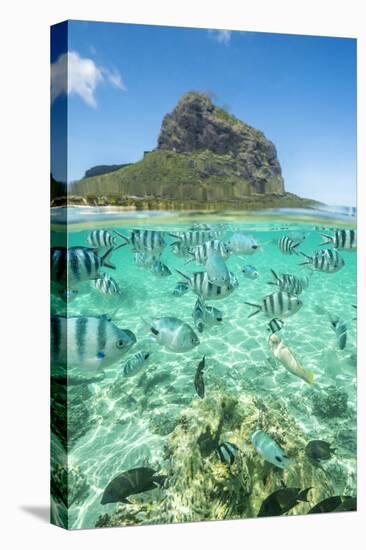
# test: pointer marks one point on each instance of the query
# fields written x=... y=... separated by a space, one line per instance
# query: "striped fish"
x=204 y=315
x=340 y=329
x=144 y=260
x=146 y=240
x=107 y=285
x=194 y=238
x=100 y=238
x=77 y=264
x=227 y=452
x=88 y=342
x=135 y=363
x=200 y=284
x=289 y=283
x=325 y=260
x=201 y=252
x=275 y=325
x=279 y=304
x=343 y=239
x=287 y=245
x=160 y=269
x=179 y=249
x=180 y=289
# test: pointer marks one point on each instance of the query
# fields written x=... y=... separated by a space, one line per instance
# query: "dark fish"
x=227 y=452
x=207 y=441
x=335 y=504
x=199 y=383
x=282 y=501
x=319 y=450
x=131 y=482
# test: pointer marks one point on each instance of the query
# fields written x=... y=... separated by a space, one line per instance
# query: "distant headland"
x=205 y=159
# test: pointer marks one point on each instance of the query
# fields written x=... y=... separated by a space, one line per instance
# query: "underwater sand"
x=128 y=426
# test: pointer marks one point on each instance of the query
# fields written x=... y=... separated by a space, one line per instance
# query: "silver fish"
x=77 y=264
x=194 y=238
x=180 y=249
x=279 y=304
x=135 y=363
x=217 y=271
x=107 y=285
x=250 y=272
x=340 y=329
x=325 y=260
x=204 y=315
x=88 y=342
x=290 y=283
x=201 y=285
x=269 y=449
x=146 y=240
x=242 y=244
x=343 y=239
x=100 y=238
x=287 y=245
x=160 y=269
x=174 y=334
x=201 y=252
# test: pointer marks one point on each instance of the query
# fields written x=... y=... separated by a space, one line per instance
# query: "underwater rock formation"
x=201 y=487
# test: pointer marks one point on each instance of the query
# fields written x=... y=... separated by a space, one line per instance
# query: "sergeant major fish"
x=270 y=450
x=343 y=239
x=275 y=325
x=227 y=452
x=77 y=264
x=286 y=357
x=290 y=283
x=200 y=284
x=88 y=342
x=174 y=334
x=287 y=245
x=340 y=329
x=146 y=240
x=135 y=363
x=325 y=260
x=204 y=315
x=160 y=269
x=194 y=238
x=100 y=238
x=107 y=285
x=279 y=304
x=201 y=252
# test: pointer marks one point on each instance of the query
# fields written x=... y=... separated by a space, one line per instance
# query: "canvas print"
x=203 y=274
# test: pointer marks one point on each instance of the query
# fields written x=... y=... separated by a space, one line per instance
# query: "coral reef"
x=329 y=404
x=200 y=487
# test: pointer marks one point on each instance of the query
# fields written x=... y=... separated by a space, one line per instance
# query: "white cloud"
x=221 y=36
x=74 y=75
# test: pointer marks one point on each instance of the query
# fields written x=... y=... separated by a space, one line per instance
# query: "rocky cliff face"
x=196 y=125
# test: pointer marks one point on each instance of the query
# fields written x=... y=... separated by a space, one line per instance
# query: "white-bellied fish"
x=200 y=284
x=107 y=285
x=270 y=450
x=194 y=238
x=201 y=252
x=287 y=245
x=242 y=244
x=204 y=315
x=279 y=304
x=297 y=236
x=217 y=270
x=77 y=264
x=343 y=239
x=180 y=289
x=325 y=260
x=290 y=283
x=287 y=358
x=88 y=342
x=340 y=329
x=275 y=325
x=134 y=364
x=250 y=272
x=174 y=334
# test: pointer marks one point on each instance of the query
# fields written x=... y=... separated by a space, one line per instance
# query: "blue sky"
x=300 y=91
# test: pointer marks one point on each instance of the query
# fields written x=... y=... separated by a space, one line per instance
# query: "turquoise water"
x=125 y=422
